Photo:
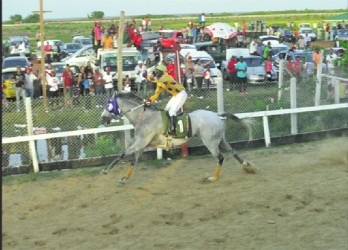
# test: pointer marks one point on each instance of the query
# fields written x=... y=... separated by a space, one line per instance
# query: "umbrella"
x=221 y=30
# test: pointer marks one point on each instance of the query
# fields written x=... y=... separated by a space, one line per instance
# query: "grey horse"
x=149 y=132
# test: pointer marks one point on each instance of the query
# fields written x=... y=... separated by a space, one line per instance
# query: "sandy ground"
x=297 y=200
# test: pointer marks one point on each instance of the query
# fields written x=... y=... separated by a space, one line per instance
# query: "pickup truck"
x=169 y=37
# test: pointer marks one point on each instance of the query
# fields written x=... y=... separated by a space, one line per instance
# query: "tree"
x=16 y=18
x=33 y=18
x=96 y=15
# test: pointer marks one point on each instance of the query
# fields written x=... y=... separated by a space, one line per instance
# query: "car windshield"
x=253 y=61
x=168 y=35
x=129 y=61
x=74 y=46
x=307 y=31
x=150 y=36
x=276 y=50
x=14 y=63
x=7 y=75
x=211 y=63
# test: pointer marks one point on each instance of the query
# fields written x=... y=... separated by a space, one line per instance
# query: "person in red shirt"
x=68 y=80
x=290 y=65
x=171 y=69
x=47 y=49
x=137 y=39
x=232 y=71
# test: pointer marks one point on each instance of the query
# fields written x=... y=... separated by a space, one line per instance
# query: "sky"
x=112 y=8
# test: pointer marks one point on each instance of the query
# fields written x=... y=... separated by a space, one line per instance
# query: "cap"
x=140 y=62
x=161 y=67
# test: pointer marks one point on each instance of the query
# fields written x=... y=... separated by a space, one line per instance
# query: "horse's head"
x=111 y=110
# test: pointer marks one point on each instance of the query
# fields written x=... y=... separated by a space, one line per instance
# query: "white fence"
x=264 y=114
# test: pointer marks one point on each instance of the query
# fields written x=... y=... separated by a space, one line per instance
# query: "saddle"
x=183 y=125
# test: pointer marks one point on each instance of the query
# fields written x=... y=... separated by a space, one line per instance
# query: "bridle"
x=113 y=108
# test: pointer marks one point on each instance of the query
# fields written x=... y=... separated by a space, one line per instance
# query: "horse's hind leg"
x=214 y=150
x=246 y=165
x=130 y=169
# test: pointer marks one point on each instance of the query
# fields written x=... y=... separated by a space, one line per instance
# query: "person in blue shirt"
x=241 y=68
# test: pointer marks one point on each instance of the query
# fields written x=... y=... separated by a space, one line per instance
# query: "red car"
x=169 y=37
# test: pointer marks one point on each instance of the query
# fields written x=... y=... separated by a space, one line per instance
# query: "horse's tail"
x=248 y=123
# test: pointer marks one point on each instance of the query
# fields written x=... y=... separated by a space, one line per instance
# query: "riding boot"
x=172 y=125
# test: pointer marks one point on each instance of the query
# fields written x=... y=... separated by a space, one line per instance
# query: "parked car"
x=256 y=73
x=14 y=42
x=305 y=26
x=342 y=34
x=205 y=58
x=15 y=61
x=272 y=39
x=150 y=48
x=81 y=57
x=9 y=85
x=59 y=68
x=84 y=41
x=287 y=36
x=69 y=49
x=216 y=50
x=51 y=43
x=169 y=37
x=310 y=32
x=278 y=48
x=305 y=57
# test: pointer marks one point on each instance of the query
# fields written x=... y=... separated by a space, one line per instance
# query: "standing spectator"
x=189 y=79
x=171 y=69
x=37 y=85
x=147 y=23
x=109 y=86
x=194 y=33
x=260 y=47
x=19 y=80
x=141 y=74
x=47 y=49
x=21 y=48
x=232 y=71
x=198 y=73
x=316 y=58
x=137 y=39
x=88 y=90
x=98 y=83
x=97 y=36
x=52 y=82
x=29 y=82
x=298 y=68
x=108 y=42
x=208 y=80
x=68 y=81
x=89 y=68
x=127 y=84
x=253 y=47
x=56 y=52
x=241 y=68
x=301 y=42
x=330 y=59
x=290 y=65
x=268 y=69
x=81 y=76
x=203 y=19
x=115 y=40
x=266 y=51
x=307 y=40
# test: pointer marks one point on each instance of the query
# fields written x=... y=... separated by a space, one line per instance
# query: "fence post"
x=266 y=131
x=293 y=105
x=336 y=85
x=32 y=148
x=319 y=80
x=280 y=78
x=220 y=97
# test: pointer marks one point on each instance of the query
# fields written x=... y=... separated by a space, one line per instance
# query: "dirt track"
x=298 y=200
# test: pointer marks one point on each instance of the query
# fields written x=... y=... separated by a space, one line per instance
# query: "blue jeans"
x=109 y=92
x=20 y=92
x=99 y=92
x=30 y=92
x=144 y=84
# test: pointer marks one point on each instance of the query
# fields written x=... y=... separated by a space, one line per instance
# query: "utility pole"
x=119 y=53
x=42 y=38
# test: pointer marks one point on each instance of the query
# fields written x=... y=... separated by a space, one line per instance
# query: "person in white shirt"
x=52 y=82
x=21 y=48
x=29 y=83
x=330 y=59
x=141 y=74
x=108 y=85
x=253 y=47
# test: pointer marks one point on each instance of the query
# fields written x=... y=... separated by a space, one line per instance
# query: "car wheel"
x=225 y=75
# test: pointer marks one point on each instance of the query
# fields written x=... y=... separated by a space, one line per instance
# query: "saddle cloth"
x=183 y=124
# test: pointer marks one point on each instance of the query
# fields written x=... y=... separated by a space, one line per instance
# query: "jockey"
x=167 y=83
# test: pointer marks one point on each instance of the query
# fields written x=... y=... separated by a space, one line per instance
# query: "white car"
x=274 y=40
x=81 y=57
x=310 y=32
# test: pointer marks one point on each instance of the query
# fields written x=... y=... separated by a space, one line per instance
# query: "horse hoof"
x=248 y=168
x=208 y=179
x=122 y=181
x=103 y=171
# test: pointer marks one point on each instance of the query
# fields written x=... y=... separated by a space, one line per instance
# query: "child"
x=189 y=79
x=207 y=77
x=87 y=83
x=126 y=84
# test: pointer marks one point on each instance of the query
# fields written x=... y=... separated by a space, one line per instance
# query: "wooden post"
x=43 y=71
x=119 y=53
x=293 y=105
x=280 y=79
x=29 y=116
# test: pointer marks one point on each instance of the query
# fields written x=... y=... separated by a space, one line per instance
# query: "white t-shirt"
x=330 y=59
x=108 y=81
x=52 y=82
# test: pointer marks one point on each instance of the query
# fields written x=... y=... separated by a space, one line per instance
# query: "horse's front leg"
x=246 y=165
x=130 y=169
